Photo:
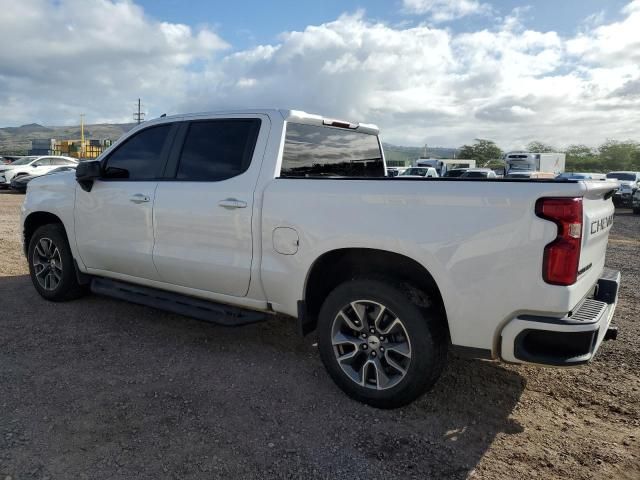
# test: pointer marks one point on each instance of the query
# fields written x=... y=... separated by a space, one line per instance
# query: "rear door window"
x=43 y=162
x=317 y=151
x=60 y=161
x=216 y=150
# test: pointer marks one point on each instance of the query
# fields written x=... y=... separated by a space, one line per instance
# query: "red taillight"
x=562 y=256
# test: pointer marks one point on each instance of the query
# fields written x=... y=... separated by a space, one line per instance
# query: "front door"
x=203 y=213
x=114 y=221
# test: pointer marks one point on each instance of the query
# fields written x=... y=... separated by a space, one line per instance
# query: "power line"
x=138 y=116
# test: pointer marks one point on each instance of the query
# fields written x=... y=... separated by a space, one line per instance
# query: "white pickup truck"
x=232 y=216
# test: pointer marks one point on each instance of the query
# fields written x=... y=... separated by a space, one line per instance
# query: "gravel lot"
x=99 y=388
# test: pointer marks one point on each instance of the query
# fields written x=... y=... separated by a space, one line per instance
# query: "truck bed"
x=481 y=242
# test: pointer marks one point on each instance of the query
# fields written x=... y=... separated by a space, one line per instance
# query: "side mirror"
x=87 y=172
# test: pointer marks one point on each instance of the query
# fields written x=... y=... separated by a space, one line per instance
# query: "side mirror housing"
x=87 y=172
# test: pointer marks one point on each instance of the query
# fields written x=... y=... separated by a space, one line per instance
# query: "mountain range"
x=17 y=140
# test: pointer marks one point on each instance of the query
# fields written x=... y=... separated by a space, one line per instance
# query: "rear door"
x=114 y=221
x=203 y=209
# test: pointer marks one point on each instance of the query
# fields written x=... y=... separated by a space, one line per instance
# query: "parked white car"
x=234 y=216
x=34 y=166
x=479 y=173
x=419 y=172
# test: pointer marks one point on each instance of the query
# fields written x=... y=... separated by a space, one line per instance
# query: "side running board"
x=176 y=303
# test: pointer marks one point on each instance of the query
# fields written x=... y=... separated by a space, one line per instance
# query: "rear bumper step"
x=176 y=303
x=567 y=341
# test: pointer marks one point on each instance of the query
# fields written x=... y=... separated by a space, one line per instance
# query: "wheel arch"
x=34 y=221
x=335 y=267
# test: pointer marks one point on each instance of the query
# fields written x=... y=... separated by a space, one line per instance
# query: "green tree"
x=580 y=152
x=581 y=158
x=483 y=151
x=615 y=155
x=540 y=147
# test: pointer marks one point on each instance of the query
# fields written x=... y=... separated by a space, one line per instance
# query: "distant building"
x=69 y=148
x=43 y=146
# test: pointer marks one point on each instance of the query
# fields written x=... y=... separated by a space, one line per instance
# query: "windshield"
x=415 y=171
x=622 y=176
x=24 y=160
x=475 y=174
x=454 y=173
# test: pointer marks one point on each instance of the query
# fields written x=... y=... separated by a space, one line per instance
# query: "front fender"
x=54 y=194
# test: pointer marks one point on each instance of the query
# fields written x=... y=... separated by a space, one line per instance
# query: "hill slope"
x=17 y=140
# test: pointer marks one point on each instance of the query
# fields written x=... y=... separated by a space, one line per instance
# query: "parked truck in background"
x=235 y=216
x=551 y=163
x=628 y=183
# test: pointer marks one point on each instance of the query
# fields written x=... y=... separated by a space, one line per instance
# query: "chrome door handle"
x=139 y=198
x=231 y=203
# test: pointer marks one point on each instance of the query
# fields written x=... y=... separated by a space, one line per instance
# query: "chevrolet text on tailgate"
x=233 y=216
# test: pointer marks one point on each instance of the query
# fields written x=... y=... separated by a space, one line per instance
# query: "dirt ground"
x=98 y=388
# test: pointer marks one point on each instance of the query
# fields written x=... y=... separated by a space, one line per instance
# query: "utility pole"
x=81 y=136
x=138 y=116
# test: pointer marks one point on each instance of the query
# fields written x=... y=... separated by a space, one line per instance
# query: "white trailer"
x=534 y=162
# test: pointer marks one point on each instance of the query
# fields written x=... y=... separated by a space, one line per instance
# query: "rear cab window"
x=314 y=151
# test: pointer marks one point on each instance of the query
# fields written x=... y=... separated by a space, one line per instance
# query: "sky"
x=440 y=72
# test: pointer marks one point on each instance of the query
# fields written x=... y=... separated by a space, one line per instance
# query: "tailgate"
x=598 y=211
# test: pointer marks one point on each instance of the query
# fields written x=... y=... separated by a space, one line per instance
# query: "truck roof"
x=295 y=116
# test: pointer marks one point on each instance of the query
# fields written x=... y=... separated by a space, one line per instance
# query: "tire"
x=49 y=252
x=422 y=330
x=636 y=210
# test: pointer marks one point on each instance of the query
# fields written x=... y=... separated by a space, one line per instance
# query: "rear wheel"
x=378 y=345
x=51 y=264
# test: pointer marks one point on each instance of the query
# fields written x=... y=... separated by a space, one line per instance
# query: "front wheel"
x=378 y=345
x=51 y=264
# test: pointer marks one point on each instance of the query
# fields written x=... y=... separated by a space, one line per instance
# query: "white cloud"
x=58 y=59
x=445 y=10
x=617 y=43
x=510 y=83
